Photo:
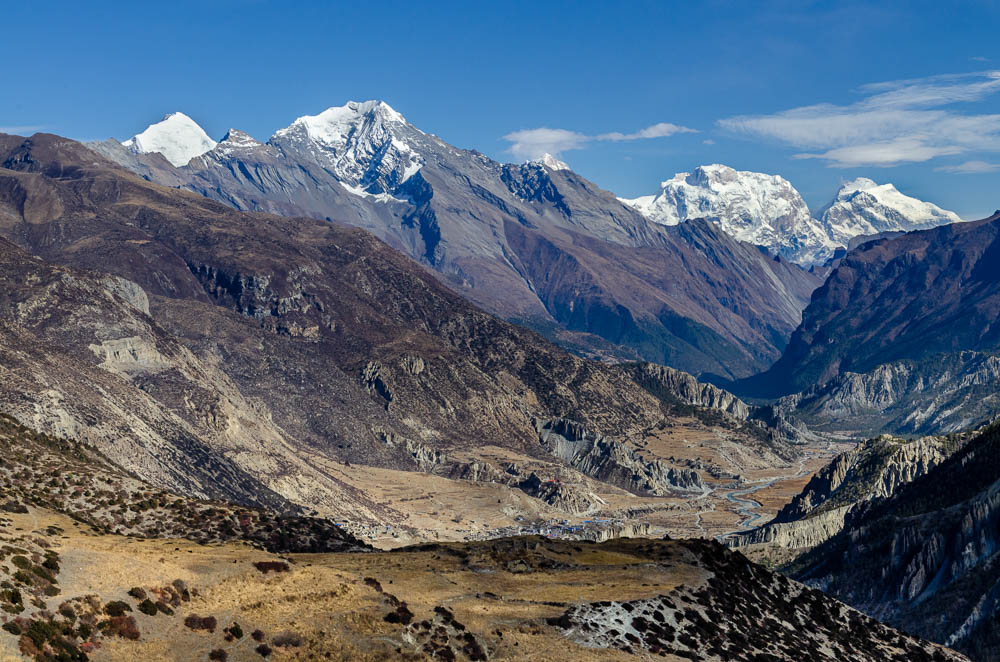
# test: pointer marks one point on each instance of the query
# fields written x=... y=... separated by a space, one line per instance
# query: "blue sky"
x=631 y=92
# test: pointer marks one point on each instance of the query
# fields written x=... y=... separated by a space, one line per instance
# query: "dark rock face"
x=925 y=560
x=543 y=247
x=909 y=297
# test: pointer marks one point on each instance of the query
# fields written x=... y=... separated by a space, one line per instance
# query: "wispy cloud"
x=979 y=58
x=21 y=130
x=535 y=143
x=660 y=130
x=970 y=168
x=906 y=121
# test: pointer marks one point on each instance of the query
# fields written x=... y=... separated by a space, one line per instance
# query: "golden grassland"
x=503 y=597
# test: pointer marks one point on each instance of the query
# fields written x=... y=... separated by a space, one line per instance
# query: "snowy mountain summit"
x=767 y=210
x=363 y=144
x=862 y=207
x=550 y=162
x=177 y=137
x=754 y=207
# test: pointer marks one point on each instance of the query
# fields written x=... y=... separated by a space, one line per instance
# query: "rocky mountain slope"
x=875 y=469
x=534 y=243
x=911 y=297
x=942 y=393
x=925 y=559
x=273 y=355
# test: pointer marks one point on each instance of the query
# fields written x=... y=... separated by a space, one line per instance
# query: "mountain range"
x=766 y=210
x=536 y=243
x=531 y=243
x=357 y=322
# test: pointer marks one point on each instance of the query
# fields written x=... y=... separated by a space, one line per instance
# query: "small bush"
x=234 y=631
x=148 y=607
x=263 y=650
x=137 y=593
x=196 y=622
x=287 y=639
x=271 y=566
x=164 y=607
x=116 y=608
x=218 y=655
x=124 y=627
x=257 y=635
x=12 y=628
x=21 y=562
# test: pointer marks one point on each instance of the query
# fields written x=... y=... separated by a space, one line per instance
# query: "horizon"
x=919 y=120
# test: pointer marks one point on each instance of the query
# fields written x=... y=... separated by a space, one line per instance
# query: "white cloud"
x=530 y=144
x=899 y=122
x=660 y=130
x=970 y=168
x=708 y=141
x=535 y=143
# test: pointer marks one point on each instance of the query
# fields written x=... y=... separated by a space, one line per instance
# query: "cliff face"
x=941 y=394
x=873 y=470
x=926 y=558
x=689 y=390
x=612 y=461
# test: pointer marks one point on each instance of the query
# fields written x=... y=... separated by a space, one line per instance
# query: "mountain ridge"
x=467 y=217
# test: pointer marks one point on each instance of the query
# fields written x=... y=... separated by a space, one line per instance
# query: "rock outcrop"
x=873 y=470
x=613 y=461
x=742 y=612
x=941 y=394
x=925 y=559
x=689 y=390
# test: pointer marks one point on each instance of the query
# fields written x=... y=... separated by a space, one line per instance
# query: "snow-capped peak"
x=177 y=137
x=335 y=123
x=755 y=207
x=550 y=161
x=364 y=144
x=863 y=207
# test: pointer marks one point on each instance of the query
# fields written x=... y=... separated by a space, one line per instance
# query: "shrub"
x=219 y=655
x=21 y=562
x=137 y=593
x=196 y=622
x=12 y=628
x=269 y=566
x=124 y=627
x=116 y=608
x=257 y=635
x=234 y=631
x=148 y=607
x=164 y=607
x=263 y=650
x=287 y=639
